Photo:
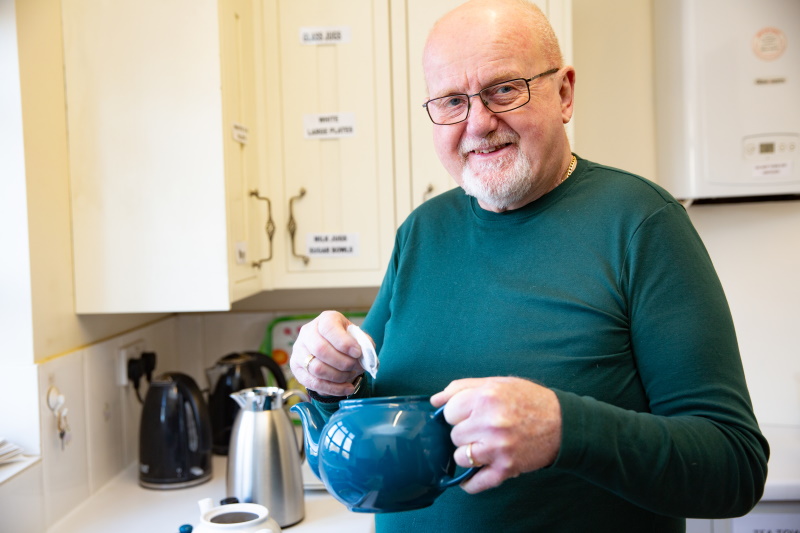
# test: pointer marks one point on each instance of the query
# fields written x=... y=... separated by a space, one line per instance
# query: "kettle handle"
x=199 y=411
x=274 y=368
x=449 y=481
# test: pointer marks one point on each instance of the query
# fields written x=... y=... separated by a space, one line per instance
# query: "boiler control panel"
x=771 y=158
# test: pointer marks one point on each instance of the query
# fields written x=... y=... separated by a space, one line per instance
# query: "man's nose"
x=480 y=120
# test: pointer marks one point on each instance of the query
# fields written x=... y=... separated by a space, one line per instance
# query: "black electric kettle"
x=232 y=373
x=174 y=434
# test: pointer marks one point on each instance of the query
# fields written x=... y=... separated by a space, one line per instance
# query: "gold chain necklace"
x=572 y=164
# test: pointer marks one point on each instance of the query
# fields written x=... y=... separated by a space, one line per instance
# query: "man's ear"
x=567 y=93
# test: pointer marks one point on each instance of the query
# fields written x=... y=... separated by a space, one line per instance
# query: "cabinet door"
x=147 y=158
x=245 y=212
x=334 y=88
x=426 y=177
x=422 y=172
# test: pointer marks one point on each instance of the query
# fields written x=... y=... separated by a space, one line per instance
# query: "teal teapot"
x=381 y=455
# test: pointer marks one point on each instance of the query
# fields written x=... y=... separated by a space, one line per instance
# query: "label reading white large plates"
x=769 y=170
x=332 y=244
x=329 y=125
x=325 y=35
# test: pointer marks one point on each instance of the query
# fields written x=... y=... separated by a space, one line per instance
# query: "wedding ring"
x=308 y=361
x=471 y=460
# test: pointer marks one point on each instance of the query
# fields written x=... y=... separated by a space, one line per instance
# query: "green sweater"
x=603 y=291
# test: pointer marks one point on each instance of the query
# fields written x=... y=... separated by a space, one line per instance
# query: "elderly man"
x=567 y=313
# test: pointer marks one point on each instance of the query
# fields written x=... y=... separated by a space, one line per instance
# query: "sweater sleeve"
x=380 y=311
x=698 y=452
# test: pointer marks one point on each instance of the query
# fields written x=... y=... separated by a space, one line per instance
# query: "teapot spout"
x=312 y=429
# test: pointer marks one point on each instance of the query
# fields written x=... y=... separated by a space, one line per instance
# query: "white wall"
x=17 y=371
x=614 y=92
x=756 y=251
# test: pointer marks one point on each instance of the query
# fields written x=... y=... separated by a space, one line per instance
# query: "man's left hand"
x=510 y=425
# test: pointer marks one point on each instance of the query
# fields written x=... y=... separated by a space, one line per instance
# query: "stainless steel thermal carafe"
x=264 y=456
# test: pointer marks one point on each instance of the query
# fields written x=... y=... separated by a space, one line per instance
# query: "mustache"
x=494 y=139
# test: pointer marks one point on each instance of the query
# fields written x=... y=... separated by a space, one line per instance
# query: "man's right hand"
x=325 y=357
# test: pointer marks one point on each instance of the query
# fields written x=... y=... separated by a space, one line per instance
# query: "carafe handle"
x=448 y=481
x=301 y=445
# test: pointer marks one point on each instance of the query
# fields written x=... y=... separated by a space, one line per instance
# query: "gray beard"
x=501 y=183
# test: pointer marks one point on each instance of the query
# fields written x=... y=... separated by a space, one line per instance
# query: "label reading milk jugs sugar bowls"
x=332 y=244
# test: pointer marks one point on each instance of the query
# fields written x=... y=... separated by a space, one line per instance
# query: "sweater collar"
x=533 y=208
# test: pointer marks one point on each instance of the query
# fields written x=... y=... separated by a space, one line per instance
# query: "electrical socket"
x=132 y=350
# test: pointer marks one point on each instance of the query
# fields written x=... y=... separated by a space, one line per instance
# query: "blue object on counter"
x=185 y=528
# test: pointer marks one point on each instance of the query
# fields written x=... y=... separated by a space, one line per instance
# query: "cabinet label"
x=240 y=133
x=767 y=523
x=332 y=244
x=329 y=125
x=241 y=252
x=325 y=35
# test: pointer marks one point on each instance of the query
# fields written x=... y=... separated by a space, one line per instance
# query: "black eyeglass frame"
x=470 y=96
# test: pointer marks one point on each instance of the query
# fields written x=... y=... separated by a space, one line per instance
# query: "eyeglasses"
x=498 y=98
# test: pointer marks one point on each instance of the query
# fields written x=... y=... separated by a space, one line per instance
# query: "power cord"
x=135 y=373
x=143 y=366
x=149 y=363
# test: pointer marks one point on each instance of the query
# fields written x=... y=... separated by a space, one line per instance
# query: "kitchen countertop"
x=783 y=478
x=122 y=506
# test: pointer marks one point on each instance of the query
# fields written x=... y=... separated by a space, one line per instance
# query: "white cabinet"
x=355 y=65
x=162 y=218
x=418 y=167
x=207 y=137
x=328 y=92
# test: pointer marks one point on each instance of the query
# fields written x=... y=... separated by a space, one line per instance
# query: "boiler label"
x=769 y=43
x=781 y=170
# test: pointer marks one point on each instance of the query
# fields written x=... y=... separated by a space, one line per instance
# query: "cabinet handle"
x=293 y=225
x=427 y=192
x=269 y=227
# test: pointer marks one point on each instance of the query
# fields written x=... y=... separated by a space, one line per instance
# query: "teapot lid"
x=388 y=401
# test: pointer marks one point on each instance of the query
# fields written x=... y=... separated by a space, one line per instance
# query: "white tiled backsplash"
x=104 y=417
x=66 y=469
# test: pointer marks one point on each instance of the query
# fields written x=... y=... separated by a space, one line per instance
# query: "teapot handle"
x=447 y=482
